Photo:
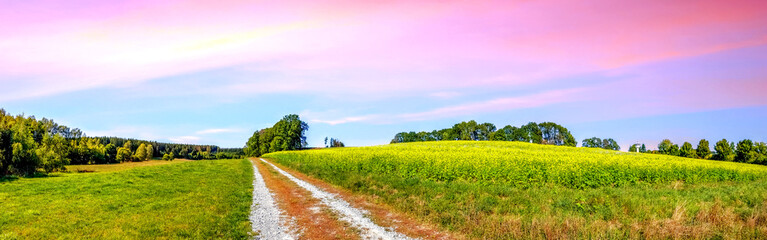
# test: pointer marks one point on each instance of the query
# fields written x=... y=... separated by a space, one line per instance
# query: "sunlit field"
x=518 y=190
x=178 y=199
x=118 y=166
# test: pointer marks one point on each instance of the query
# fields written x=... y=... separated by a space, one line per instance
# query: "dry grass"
x=711 y=222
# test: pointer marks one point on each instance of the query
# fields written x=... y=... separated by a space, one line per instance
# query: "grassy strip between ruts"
x=191 y=200
x=730 y=204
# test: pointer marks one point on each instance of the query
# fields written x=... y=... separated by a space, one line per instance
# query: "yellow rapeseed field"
x=517 y=163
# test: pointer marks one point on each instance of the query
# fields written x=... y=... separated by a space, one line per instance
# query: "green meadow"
x=187 y=200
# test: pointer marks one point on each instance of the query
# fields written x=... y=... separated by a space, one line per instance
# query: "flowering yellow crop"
x=516 y=163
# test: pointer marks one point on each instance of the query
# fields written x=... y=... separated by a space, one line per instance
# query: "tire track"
x=266 y=219
x=353 y=216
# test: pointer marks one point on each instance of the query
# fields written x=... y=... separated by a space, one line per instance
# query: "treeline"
x=541 y=133
x=745 y=151
x=607 y=143
x=286 y=134
x=166 y=151
x=333 y=142
x=28 y=145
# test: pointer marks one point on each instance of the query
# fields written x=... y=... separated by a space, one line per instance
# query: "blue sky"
x=362 y=72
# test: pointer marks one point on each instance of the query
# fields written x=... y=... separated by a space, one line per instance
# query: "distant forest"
x=746 y=151
x=28 y=146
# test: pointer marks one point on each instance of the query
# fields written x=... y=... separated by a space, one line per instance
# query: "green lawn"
x=196 y=199
x=503 y=190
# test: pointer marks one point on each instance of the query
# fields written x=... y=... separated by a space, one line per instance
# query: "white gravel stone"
x=265 y=217
x=356 y=217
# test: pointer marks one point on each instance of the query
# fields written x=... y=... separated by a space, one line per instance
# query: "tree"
x=593 y=142
x=633 y=148
x=745 y=152
x=50 y=153
x=555 y=134
x=703 y=149
x=150 y=152
x=643 y=148
x=183 y=153
x=467 y=130
x=6 y=148
x=286 y=134
x=336 y=143
x=168 y=156
x=610 y=144
x=761 y=149
x=674 y=150
x=505 y=134
x=484 y=130
x=530 y=133
x=140 y=154
x=687 y=151
x=665 y=147
x=252 y=146
x=723 y=150
x=124 y=154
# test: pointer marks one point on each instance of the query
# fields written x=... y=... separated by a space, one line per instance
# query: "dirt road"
x=290 y=205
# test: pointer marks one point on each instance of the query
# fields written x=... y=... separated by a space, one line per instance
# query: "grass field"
x=119 y=166
x=512 y=190
x=190 y=200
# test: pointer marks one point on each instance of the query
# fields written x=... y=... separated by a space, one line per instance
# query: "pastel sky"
x=213 y=72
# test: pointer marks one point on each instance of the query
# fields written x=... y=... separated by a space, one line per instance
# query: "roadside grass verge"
x=659 y=197
x=190 y=200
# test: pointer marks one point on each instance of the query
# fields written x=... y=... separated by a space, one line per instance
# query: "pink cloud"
x=49 y=47
x=495 y=105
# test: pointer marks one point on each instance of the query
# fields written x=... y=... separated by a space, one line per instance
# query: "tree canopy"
x=286 y=134
x=543 y=133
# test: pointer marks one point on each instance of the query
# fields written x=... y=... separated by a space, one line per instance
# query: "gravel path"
x=354 y=216
x=265 y=216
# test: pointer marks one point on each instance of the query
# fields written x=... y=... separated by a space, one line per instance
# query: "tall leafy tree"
x=530 y=133
x=745 y=152
x=687 y=151
x=140 y=154
x=761 y=150
x=150 y=152
x=593 y=142
x=610 y=144
x=555 y=134
x=674 y=150
x=723 y=150
x=665 y=147
x=484 y=130
x=703 y=149
x=643 y=148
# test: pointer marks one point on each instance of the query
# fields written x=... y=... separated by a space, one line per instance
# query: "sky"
x=213 y=72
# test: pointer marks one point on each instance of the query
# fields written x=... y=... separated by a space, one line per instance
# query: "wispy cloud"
x=218 y=130
x=185 y=139
x=499 y=104
x=472 y=108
